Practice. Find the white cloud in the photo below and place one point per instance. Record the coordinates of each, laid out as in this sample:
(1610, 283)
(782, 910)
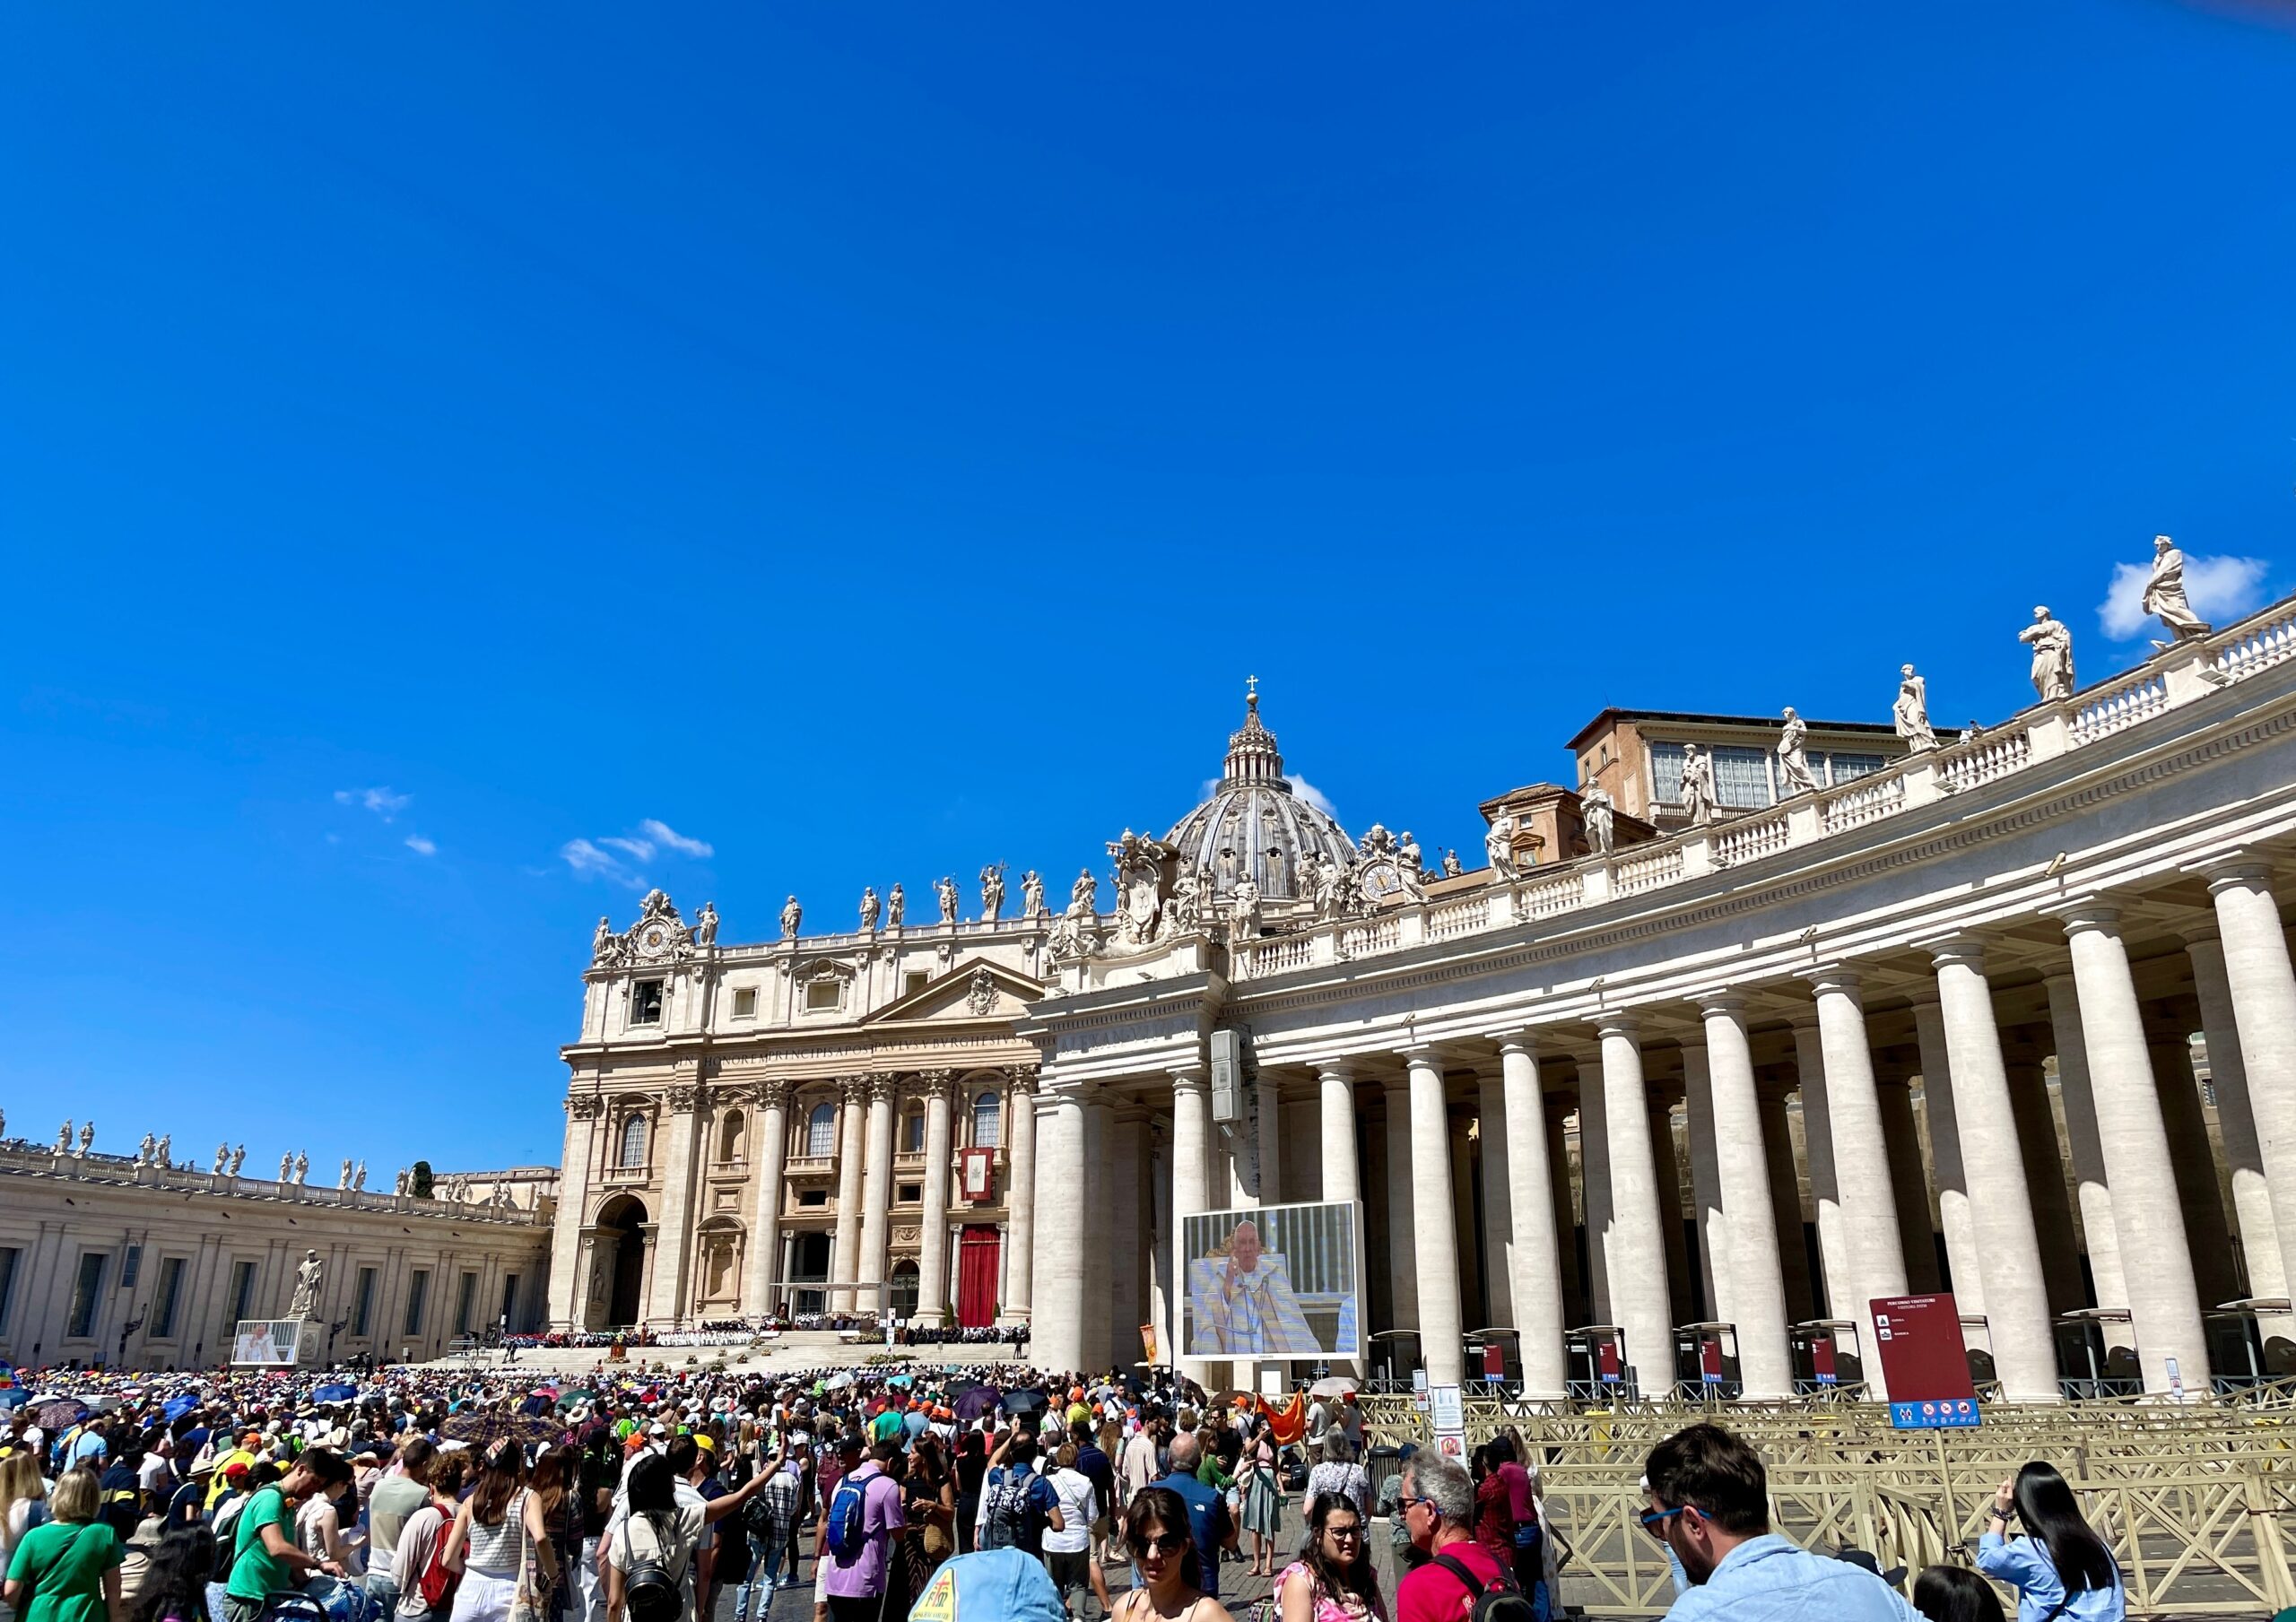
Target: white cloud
(1313, 795)
(2220, 589)
(674, 840)
(421, 846)
(588, 861)
(637, 850)
(384, 802)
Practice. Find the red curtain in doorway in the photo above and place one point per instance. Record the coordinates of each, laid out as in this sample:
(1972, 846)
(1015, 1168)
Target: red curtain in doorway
(978, 1250)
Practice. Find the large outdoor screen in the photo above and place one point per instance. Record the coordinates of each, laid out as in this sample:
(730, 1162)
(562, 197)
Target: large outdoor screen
(1274, 1281)
(266, 1342)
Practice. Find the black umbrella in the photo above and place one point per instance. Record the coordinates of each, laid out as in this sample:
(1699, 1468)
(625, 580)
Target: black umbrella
(1025, 1401)
(975, 1400)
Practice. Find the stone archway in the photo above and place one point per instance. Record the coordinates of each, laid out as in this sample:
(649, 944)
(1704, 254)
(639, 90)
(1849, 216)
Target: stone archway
(625, 1221)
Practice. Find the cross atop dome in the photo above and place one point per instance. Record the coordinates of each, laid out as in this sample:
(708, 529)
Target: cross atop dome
(1252, 756)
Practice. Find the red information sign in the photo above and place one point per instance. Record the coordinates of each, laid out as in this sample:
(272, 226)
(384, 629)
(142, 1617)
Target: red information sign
(1919, 1339)
(1606, 1360)
(976, 1175)
(1494, 1362)
(1822, 1358)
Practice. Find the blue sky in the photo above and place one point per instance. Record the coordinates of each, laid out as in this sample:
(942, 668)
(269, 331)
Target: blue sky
(821, 444)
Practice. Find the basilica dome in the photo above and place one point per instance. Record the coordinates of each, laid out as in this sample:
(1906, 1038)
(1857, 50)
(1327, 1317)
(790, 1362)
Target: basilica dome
(1254, 823)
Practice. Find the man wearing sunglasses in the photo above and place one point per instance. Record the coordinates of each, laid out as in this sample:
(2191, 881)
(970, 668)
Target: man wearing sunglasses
(1437, 1506)
(1709, 1504)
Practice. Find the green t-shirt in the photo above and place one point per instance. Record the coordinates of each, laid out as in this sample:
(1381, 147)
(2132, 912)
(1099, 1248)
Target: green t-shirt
(66, 1565)
(254, 1574)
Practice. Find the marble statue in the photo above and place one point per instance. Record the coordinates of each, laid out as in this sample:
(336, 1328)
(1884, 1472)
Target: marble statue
(2052, 654)
(602, 942)
(1084, 895)
(869, 908)
(1243, 910)
(896, 905)
(359, 1178)
(343, 1181)
(1332, 897)
(302, 1168)
(1452, 868)
(501, 1194)
(287, 1167)
(398, 1184)
(306, 1302)
(1910, 714)
(705, 924)
(239, 1159)
(147, 1151)
(992, 891)
(944, 890)
(1408, 853)
(223, 1159)
(1596, 811)
(792, 915)
(63, 1139)
(1186, 907)
(1306, 873)
(1793, 763)
(1032, 893)
(2164, 593)
(1698, 785)
(655, 907)
(167, 1151)
(87, 1137)
(1140, 861)
(1499, 845)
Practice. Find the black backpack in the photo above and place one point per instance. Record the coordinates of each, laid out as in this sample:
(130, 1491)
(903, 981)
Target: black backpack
(1011, 1512)
(650, 1592)
(1503, 1601)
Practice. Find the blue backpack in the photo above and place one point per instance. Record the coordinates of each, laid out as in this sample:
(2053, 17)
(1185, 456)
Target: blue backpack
(847, 1510)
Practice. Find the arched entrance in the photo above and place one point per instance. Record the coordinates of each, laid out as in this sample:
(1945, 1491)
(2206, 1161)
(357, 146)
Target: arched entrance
(624, 1218)
(904, 1289)
(809, 1264)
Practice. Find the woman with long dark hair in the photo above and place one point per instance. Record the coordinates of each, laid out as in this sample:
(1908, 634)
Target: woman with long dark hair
(1955, 1593)
(175, 1588)
(497, 1537)
(1332, 1580)
(2060, 1568)
(1172, 1571)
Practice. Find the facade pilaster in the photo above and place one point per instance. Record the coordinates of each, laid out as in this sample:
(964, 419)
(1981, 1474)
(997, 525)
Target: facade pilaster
(1056, 1318)
(1536, 1280)
(2016, 1294)
(2162, 1299)
(1021, 1196)
(1756, 1281)
(566, 1279)
(1126, 1150)
(852, 1153)
(877, 1192)
(1191, 1189)
(1637, 1250)
(1442, 1333)
(933, 1232)
(681, 1119)
(1268, 1186)
(758, 1294)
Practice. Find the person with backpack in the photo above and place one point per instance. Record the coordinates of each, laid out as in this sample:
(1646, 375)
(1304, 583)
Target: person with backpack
(1017, 1503)
(864, 1515)
(651, 1544)
(68, 1569)
(264, 1559)
(1460, 1576)
(1710, 1505)
(426, 1586)
(2060, 1568)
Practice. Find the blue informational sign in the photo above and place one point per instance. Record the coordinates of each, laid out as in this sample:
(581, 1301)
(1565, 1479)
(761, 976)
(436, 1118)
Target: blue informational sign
(1944, 1413)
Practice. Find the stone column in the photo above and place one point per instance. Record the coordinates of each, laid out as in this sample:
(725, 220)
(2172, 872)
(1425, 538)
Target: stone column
(1784, 1181)
(667, 1299)
(1595, 1189)
(1559, 1105)
(2090, 1189)
(1749, 1213)
(1909, 1180)
(1498, 1224)
(1092, 1231)
(1191, 1189)
(933, 1233)
(1442, 1333)
(1705, 1181)
(1403, 1248)
(2016, 1294)
(567, 1276)
(2192, 1158)
(877, 1191)
(1875, 1250)
(759, 1295)
(2235, 1119)
(1129, 1226)
(1270, 1181)
(1954, 1220)
(1335, 1118)
(1817, 1140)
(2162, 1295)
(1637, 1250)
(2264, 1002)
(852, 1149)
(1667, 1168)
(1021, 1192)
(1057, 1321)
(1536, 1280)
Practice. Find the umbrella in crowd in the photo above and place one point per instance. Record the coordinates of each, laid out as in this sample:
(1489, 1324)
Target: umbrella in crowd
(59, 1414)
(1332, 1385)
(975, 1400)
(574, 1399)
(335, 1393)
(14, 1396)
(176, 1408)
(1025, 1401)
(482, 1427)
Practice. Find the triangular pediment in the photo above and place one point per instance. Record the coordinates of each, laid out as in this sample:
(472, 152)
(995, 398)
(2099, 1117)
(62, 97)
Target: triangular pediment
(974, 989)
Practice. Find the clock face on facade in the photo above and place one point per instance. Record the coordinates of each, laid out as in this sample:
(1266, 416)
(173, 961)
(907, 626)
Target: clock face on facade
(1379, 878)
(653, 940)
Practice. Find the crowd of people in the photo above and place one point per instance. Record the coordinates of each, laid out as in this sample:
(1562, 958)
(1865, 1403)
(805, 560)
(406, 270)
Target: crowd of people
(947, 1493)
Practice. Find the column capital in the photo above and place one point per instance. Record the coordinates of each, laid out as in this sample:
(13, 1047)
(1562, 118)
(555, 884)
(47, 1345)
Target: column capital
(932, 1084)
(584, 1106)
(773, 1094)
(2238, 870)
(1334, 1069)
(1521, 1040)
(1190, 1074)
(682, 1098)
(882, 1086)
(1023, 1078)
(2201, 934)
(2085, 915)
(1958, 947)
(1839, 978)
(1724, 1001)
(1618, 1022)
(850, 1089)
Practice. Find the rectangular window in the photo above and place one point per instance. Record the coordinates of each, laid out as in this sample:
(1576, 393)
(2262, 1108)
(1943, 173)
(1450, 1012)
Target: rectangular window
(1832, 767)
(417, 1287)
(814, 1196)
(745, 1002)
(915, 980)
(1740, 775)
(134, 1268)
(465, 1303)
(822, 993)
(909, 1194)
(85, 1293)
(362, 1315)
(645, 1003)
(509, 1299)
(242, 1292)
(912, 1133)
(163, 1306)
(8, 1256)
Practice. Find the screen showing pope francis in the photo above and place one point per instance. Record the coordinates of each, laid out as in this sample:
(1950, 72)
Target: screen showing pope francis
(1274, 1281)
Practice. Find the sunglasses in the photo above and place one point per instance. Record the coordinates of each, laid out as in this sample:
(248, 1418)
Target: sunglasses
(1355, 1531)
(1655, 1523)
(1163, 1543)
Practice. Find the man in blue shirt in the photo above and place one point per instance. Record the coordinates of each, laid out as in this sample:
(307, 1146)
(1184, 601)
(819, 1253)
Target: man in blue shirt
(1710, 1505)
(1208, 1521)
